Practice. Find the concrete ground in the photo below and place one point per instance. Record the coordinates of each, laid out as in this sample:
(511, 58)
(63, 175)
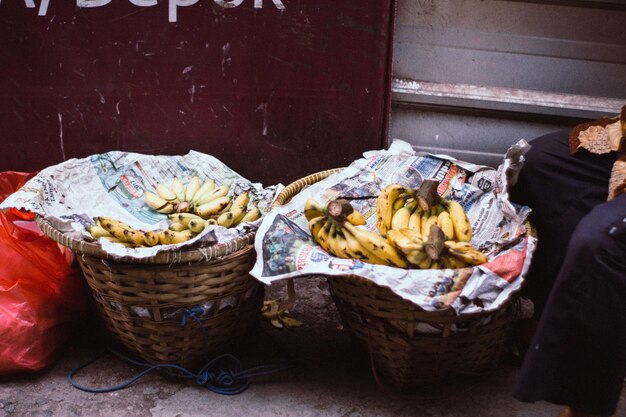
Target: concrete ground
(329, 378)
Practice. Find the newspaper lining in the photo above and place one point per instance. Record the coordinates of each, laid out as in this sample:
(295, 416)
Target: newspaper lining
(72, 193)
(285, 248)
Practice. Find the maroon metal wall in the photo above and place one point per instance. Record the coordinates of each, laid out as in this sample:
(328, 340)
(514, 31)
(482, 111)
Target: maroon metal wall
(275, 89)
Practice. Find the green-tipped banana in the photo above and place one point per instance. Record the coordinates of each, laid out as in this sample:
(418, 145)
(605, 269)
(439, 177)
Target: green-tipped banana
(313, 209)
(315, 225)
(97, 231)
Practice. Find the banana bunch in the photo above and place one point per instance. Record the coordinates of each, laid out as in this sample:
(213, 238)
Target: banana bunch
(434, 252)
(119, 232)
(398, 207)
(334, 228)
(207, 200)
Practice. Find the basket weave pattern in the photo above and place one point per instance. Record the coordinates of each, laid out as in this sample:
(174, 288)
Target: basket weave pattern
(146, 304)
(409, 347)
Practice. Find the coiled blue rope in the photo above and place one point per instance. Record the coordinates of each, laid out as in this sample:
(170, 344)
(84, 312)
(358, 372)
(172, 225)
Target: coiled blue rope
(222, 375)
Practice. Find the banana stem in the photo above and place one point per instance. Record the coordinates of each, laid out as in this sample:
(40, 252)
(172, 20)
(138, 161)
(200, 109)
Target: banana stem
(434, 246)
(427, 195)
(339, 209)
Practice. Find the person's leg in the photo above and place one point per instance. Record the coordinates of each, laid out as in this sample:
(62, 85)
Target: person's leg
(578, 354)
(560, 189)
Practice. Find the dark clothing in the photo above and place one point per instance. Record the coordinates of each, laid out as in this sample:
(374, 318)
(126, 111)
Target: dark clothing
(578, 354)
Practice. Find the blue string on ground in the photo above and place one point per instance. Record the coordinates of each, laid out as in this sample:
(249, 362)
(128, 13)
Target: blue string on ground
(222, 375)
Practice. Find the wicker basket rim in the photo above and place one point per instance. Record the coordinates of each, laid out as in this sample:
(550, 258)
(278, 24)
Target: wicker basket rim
(189, 255)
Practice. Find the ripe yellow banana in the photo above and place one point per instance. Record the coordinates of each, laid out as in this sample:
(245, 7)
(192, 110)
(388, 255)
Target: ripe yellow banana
(401, 218)
(154, 201)
(219, 192)
(178, 227)
(444, 221)
(165, 192)
(184, 218)
(356, 218)
(423, 219)
(225, 219)
(432, 220)
(115, 227)
(251, 215)
(206, 188)
(384, 206)
(404, 243)
(178, 237)
(212, 207)
(460, 221)
(151, 238)
(166, 209)
(377, 245)
(197, 225)
(400, 202)
(192, 187)
(238, 213)
(466, 252)
(333, 241)
(178, 188)
(415, 221)
(134, 236)
(315, 225)
(242, 200)
(358, 251)
(323, 233)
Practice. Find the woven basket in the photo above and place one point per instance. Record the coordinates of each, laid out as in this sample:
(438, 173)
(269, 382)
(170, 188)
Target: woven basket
(385, 326)
(176, 307)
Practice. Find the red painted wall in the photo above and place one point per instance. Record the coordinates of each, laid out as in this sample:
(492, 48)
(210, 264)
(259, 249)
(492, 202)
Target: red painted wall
(277, 89)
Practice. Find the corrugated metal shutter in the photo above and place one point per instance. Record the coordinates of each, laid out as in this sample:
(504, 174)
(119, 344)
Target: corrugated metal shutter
(472, 77)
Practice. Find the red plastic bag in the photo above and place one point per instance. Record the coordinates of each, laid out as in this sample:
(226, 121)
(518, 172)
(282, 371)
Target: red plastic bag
(42, 296)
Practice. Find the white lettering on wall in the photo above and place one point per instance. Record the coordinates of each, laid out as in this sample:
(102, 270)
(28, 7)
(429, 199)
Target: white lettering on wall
(173, 5)
(227, 4)
(92, 3)
(144, 3)
(258, 4)
(43, 7)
